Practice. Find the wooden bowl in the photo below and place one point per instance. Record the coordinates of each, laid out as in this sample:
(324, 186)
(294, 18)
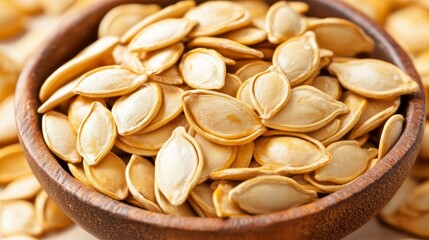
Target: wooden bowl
(331, 217)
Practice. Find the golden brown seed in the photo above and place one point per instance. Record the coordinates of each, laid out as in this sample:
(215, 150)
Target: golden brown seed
(79, 109)
(170, 76)
(18, 217)
(60, 137)
(22, 188)
(221, 118)
(246, 36)
(158, 61)
(392, 130)
(277, 15)
(201, 198)
(328, 85)
(223, 206)
(49, 215)
(226, 47)
(108, 176)
(298, 57)
(251, 69)
(304, 111)
(232, 84)
(268, 194)
(8, 130)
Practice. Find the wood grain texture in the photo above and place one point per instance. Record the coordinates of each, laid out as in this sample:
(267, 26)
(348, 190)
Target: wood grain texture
(331, 217)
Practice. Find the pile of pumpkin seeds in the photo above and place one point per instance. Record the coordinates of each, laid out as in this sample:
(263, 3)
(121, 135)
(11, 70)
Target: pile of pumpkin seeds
(26, 212)
(408, 22)
(221, 110)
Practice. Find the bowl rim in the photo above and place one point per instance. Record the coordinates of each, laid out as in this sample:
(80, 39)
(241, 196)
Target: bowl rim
(32, 140)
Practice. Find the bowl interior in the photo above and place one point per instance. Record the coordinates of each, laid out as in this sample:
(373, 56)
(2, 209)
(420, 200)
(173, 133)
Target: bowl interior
(333, 216)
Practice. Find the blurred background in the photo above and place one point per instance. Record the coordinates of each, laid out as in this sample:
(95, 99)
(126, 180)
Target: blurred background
(25, 25)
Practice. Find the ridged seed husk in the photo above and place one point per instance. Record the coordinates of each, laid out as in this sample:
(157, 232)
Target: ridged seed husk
(96, 135)
(109, 81)
(86, 60)
(373, 78)
(251, 69)
(345, 167)
(178, 166)
(173, 30)
(201, 197)
(221, 118)
(268, 194)
(60, 137)
(232, 84)
(224, 207)
(391, 132)
(170, 76)
(79, 108)
(133, 112)
(328, 85)
(304, 112)
(298, 57)
(293, 153)
(270, 92)
(78, 172)
(226, 47)
(244, 94)
(140, 177)
(246, 35)
(375, 113)
(203, 68)
(158, 61)
(277, 15)
(327, 131)
(60, 96)
(216, 17)
(183, 209)
(108, 176)
(349, 38)
(121, 18)
(244, 155)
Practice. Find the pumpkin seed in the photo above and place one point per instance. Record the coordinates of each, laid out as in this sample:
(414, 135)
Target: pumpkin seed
(375, 113)
(373, 78)
(63, 94)
(232, 84)
(171, 107)
(293, 153)
(328, 85)
(48, 214)
(242, 174)
(78, 172)
(251, 69)
(140, 177)
(324, 187)
(345, 167)
(108, 176)
(173, 11)
(257, 11)
(13, 164)
(96, 135)
(224, 207)
(304, 111)
(121, 18)
(392, 130)
(327, 131)
(246, 35)
(216, 157)
(279, 32)
(356, 105)
(11, 20)
(298, 57)
(130, 117)
(60, 137)
(221, 118)
(226, 47)
(183, 209)
(202, 198)
(173, 30)
(109, 81)
(79, 109)
(158, 61)
(244, 155)
(153, 141)
(133, 150)
(178, 166)
(270, 92)
(170, 76)
(22, 188)
(87, 59)
(268, 194)
(349, 38)
(203, 69)
(18, 217)
(216, 17)
(244, 94)
(8, 130)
